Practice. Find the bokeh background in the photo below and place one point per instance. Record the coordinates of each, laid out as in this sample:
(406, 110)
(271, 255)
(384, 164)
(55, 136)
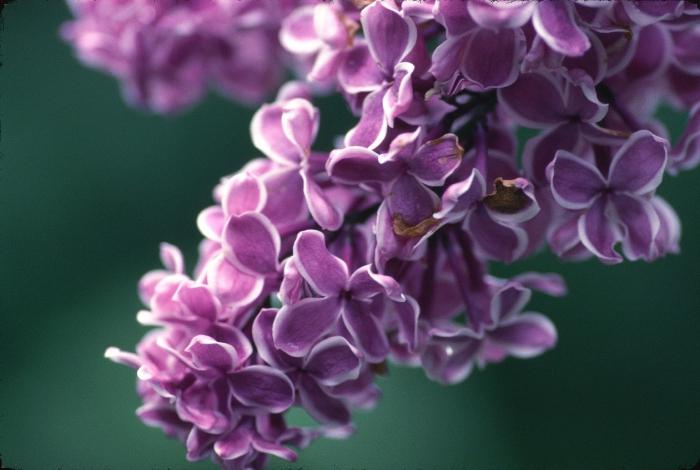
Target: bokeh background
(89, 187)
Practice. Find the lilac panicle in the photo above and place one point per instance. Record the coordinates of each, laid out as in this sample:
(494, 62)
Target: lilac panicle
(318, 267)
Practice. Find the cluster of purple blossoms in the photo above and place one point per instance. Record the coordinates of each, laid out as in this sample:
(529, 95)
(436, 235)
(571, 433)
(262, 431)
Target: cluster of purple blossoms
(318, 267)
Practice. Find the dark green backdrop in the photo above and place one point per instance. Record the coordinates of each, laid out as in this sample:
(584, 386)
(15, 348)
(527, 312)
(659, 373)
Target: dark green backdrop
(89, 187)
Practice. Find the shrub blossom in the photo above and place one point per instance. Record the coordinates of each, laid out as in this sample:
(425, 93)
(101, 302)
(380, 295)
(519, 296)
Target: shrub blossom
(319, 266)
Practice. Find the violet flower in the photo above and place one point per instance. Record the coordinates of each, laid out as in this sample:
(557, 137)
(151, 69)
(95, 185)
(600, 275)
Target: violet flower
(320, 268)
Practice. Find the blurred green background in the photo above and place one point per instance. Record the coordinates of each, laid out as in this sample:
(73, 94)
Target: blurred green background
(89, 187)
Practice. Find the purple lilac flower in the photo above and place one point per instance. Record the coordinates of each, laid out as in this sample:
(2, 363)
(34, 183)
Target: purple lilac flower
(320, 267)
(167, 52)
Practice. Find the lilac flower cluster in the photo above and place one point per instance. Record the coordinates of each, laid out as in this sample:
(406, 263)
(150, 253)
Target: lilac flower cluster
(166, 52)
(318, 267)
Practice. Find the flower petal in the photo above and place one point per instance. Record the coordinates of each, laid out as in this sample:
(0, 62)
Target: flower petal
(297, 327)
(435, 160)
(333, 361)
(242, 193)
(252, 243)
(534, 100)
(575, 182)
(365, 284)
(555, 23)
(320, 405)
(327, 274)
(527, 335)
(300, 121)
(640, 225)
(322, 209)
(492, 57)
(199, 300)
(355, 165)
(366, 331)
(358, 73)
(597, 233)
(231, 285)
(235, 444)
(496, 241)
(372, 127)
(639, 165)
(262, 386)
(264, 343)
(269, 136)
(207, 353)
(399, 94)
(509, 301)
(390, 35)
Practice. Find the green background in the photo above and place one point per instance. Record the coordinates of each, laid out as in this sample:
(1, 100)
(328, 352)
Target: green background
(89, 187)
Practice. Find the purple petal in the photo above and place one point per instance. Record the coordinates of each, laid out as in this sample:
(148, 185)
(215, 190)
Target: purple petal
(411, 201)
(686, 153)
(285, 202)
(509, 301)
(366, 330)
(372, 127)
(365, 284)
(297, 327)
(232, 286)
(298, 34)
(539, 151)
(399, 95)
(460, 197)
(242, 193)
(207, 353)
(327, 274)
(199, 300)
(389, 34)
(300, 122)
(359, 73)
(640, 225)
(644, 12)
(492, 58)
(271, 448)
(548, 283)
(668, 238)
(124, 358)
(252, 243)
(653, 54)
(210, 222)
(575, 182)
(356, 165)
(435, 160)
(322, 209)
(235, 444)
(264, 343)
(263, 386)
(199, 443)
(333, 361)
(454, 17)
(639, 165)
(525, 336)
(172, 259)
(321, 406)
(269, 136)
(407, 314)
(495, 15)
(555, 23)
(534, 100)
(564, 240)
(448, 57)
(495, 240)
(597, 233)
